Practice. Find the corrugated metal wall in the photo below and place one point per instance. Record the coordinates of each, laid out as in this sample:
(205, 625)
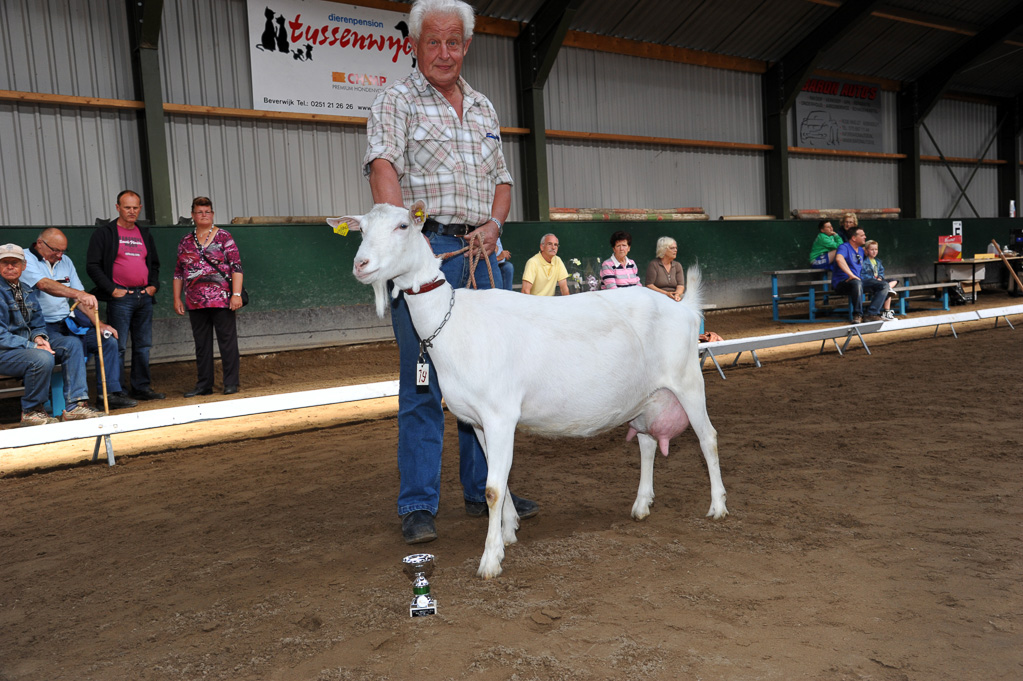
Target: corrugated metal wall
(825, 182)
(820, 182)
(65, 47)
(61, 165)
(961, 129)
(204, 46)
(939, 192)
(276, 167)
(65, 164)
(605, 93)
(609, 93)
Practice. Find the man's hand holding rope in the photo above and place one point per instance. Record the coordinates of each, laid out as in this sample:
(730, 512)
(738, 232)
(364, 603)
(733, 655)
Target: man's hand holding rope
(488, 233)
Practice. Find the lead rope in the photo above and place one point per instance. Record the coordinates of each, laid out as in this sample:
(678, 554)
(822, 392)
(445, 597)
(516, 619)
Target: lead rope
(475, 248)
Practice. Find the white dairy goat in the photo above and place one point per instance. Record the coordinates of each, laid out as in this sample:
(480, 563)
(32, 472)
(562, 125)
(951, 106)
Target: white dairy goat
(565, 366)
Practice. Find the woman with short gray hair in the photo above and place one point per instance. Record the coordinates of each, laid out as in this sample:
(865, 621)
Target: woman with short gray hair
(664, 273)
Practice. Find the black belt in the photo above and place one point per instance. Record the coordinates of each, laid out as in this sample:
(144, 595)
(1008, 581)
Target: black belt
(447, 230)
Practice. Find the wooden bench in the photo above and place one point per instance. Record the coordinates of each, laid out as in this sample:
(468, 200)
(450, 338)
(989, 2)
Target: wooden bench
(813, 291)
(11, 386)
(939, 290)
(809, 294)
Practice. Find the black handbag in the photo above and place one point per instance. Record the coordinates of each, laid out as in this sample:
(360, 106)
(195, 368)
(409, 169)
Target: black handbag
(202, 254)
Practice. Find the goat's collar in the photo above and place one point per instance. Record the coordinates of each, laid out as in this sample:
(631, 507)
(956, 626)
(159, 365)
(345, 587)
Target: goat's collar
(436, 283)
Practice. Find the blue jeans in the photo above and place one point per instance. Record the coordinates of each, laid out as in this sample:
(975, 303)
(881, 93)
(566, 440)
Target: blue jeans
(133, 314)
(855, 288)
(34, 367)
(507, 270)
(420, 414)
(111, 355)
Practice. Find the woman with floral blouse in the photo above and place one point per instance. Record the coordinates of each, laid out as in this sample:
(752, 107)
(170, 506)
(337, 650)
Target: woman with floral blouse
(209, 270)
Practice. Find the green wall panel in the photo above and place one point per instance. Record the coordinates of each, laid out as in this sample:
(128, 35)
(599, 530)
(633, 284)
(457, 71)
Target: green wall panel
(290, 267)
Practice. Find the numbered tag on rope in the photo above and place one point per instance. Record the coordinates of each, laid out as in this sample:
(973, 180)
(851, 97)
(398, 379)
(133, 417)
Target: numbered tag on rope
(422, 373)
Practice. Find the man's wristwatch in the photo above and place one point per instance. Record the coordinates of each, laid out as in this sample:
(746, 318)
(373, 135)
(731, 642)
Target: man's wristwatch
(500, 227)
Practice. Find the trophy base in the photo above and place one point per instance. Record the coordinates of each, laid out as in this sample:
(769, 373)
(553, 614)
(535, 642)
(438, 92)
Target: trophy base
(422, 606)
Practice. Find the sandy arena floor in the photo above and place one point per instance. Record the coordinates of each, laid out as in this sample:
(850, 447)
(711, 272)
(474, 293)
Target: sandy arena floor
(874, 534)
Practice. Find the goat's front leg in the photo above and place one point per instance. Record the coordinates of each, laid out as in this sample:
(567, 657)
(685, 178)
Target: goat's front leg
(503, 518)
(645, 496)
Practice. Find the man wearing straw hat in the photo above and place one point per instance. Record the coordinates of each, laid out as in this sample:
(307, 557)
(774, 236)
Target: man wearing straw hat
(27, 352)
(49, 269)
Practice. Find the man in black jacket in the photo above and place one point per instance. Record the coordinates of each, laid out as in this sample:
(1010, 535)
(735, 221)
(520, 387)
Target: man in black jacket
(122, 260)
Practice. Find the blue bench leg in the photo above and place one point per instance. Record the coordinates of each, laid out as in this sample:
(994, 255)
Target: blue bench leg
(774, 296)
(56, 402)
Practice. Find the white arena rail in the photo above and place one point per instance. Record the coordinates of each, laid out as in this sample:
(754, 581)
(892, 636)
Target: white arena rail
(751, 345)
(102, 428)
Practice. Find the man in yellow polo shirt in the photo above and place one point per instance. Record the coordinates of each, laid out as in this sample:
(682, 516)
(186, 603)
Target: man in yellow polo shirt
(545, 269)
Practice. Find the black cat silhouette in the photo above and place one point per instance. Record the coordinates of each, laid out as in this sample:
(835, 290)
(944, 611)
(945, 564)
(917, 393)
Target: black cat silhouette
(308, 52)
(403, 27)
(282, 36)
(266, 40)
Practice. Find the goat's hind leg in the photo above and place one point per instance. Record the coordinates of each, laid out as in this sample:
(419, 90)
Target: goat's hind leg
(645, 495)
(694, 401)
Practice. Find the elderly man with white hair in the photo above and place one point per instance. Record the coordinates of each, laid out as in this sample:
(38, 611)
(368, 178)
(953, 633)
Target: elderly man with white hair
(432, 137)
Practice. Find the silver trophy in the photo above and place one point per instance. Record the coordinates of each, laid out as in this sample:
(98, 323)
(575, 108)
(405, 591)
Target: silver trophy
(418, 567)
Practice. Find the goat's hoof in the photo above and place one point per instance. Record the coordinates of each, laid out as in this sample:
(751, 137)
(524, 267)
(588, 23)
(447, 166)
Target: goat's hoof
(641, 509)
(717, 512)
(489, 571)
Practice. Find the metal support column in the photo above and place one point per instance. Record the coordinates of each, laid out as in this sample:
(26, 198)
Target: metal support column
(776, 133)
(536, 48)
(908, 143)
(144, 17)
(781, 84)
(1008, 151)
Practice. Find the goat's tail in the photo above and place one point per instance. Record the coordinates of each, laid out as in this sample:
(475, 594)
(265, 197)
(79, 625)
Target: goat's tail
(694, 290)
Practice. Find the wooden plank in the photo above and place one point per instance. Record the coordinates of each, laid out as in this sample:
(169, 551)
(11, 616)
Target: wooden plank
(68, 100)
(659, 141)
(968, 161)
(682, 55)
(845, 153)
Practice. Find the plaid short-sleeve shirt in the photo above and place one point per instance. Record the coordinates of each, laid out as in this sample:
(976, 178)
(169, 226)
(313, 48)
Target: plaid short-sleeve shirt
(452, 165)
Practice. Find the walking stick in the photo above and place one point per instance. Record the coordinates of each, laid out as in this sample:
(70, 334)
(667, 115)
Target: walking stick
(1019, 286)
(102, 366)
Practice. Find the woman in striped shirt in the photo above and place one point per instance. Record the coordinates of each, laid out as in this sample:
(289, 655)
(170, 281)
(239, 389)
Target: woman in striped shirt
(619, 271)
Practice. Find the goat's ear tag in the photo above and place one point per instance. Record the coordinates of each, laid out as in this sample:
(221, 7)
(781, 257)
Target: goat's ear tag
(343, 225)
(422, 373)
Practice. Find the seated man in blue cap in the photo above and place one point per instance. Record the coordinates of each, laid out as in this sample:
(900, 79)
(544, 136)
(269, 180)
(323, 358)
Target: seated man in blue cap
(50, 270)
(27, 352)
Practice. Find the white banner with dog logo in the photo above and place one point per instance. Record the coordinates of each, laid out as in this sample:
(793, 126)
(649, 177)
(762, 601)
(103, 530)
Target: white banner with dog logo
(313, 56)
